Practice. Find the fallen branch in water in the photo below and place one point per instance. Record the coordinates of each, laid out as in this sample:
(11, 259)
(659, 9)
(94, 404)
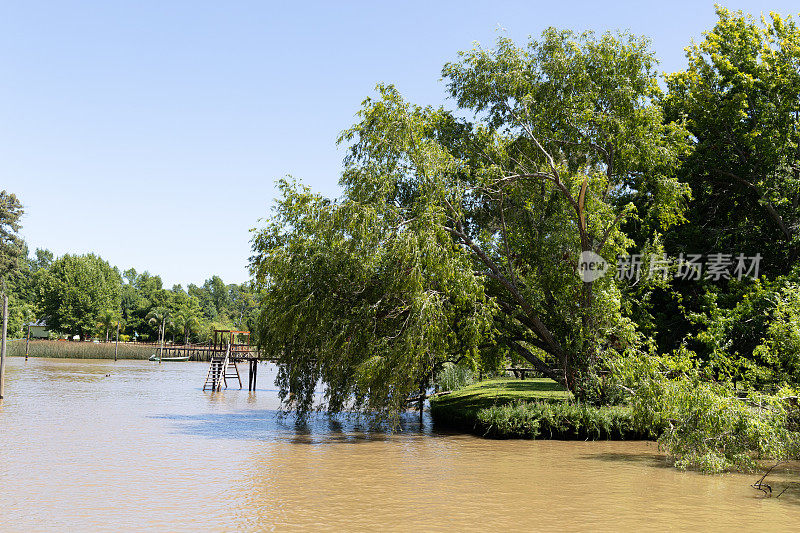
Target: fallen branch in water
(763, 487)
(786, 487)
(767, 489)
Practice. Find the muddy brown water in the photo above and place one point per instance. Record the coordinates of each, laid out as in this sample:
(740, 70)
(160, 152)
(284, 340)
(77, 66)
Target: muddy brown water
(104, 446)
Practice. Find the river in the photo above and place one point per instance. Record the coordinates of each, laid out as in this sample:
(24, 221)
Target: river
(104, 446)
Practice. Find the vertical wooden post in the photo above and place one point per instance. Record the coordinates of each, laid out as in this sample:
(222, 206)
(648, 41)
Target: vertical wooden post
(161, 349)
(28, 342)
(3, 346)
(116, 343)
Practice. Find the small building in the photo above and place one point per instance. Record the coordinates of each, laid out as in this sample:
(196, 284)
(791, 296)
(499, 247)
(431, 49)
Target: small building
(39, 330)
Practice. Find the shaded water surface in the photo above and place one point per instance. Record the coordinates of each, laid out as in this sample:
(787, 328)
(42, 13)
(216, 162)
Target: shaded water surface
(98, 445)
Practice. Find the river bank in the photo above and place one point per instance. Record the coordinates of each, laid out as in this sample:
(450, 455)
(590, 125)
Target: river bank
(80, 350)
(538, 408)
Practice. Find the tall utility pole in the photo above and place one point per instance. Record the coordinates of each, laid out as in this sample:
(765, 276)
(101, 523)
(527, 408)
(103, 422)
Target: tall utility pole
(116, 345)
(3, 346)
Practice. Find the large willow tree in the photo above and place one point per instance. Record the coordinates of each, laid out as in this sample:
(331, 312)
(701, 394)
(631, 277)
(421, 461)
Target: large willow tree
(460, 239)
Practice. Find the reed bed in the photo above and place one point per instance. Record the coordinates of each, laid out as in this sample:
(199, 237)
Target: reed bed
(80, 350)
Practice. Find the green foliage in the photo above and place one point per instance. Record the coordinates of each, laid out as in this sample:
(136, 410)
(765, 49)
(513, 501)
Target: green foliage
(452, 235)
(707, 427)
(455, 244)
(738, 99)
(193, 313)
(460, 408)
(84, 295)
(75, 290)
(563, 420)
(187, 316)
(107, 321)
(366, 302)
(780, 351)
(744, 334)
(11, 245)
(531, 408)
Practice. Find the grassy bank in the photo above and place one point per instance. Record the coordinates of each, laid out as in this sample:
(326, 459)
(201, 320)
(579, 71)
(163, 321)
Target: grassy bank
(79, 350)
(530, 409)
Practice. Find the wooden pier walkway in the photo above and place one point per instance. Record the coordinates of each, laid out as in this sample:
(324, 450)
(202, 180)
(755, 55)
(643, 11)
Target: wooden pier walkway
(223, 354)
(204, 352)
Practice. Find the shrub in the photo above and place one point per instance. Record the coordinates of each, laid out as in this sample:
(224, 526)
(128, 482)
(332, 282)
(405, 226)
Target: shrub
(707, 427)
(551, 420)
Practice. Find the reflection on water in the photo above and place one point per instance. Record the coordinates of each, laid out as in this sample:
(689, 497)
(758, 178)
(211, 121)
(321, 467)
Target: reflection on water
(98, 445)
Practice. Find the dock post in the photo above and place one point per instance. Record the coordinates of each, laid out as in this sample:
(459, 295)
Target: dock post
(3, 345)
(28, 342)
(252, 374)
(116, 344)
(251, 378)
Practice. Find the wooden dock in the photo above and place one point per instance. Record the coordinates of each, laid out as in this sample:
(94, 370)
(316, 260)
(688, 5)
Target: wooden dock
(228, 348)
(204, 352)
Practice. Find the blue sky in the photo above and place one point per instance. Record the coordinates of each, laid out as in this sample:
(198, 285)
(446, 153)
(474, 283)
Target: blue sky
(152, 133)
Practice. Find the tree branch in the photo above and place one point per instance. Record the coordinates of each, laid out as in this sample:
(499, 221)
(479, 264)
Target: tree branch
(776, 217)
(537, 363)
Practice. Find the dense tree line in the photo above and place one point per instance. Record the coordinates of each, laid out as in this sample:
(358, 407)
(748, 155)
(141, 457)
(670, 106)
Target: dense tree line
(469, 237)
(84, 296)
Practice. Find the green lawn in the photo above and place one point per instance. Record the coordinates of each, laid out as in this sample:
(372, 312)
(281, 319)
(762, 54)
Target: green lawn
(499, 391)
(531, 408)
(460, 408)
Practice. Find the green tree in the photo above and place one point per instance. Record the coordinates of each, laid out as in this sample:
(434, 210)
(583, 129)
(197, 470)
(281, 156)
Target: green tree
(205, 298)
(187, 317)
(134, 307)
(454, 235)
(160, 318)
(75, 290)
(44, 258)
(738, 99)
(243, 306)
(12, 246)
(219, 293)
(107, 320)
